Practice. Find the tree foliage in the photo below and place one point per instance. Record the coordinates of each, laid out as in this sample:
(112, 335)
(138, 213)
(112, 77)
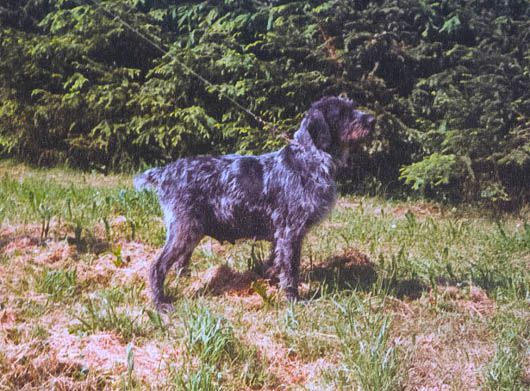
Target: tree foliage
(449, 81)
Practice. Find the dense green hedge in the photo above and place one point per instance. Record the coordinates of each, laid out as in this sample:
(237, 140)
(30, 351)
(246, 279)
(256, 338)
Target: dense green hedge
(448, 80)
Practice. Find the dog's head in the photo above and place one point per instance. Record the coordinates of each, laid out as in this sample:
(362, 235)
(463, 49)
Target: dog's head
(334, 125)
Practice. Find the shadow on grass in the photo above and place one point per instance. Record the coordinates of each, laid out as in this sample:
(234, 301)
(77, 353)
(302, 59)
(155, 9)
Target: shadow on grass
(222, 279)
(353, 270)
(89, 244)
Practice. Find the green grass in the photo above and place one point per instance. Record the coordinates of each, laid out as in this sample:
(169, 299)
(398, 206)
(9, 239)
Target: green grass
(80, 207)
(359, 327)
(210, 340)
(114, 309)
(58, 284)
(512, 343)
(208, 337)
(368, 356)
(214, 357)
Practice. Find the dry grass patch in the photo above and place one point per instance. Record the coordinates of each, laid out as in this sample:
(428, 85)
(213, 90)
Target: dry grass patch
(30, 367)
(448, 338)
(106, 353)
(261, 328)
(126, 263)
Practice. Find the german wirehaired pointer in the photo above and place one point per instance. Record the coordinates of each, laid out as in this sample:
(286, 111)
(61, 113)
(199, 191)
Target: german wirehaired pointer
(277, 197)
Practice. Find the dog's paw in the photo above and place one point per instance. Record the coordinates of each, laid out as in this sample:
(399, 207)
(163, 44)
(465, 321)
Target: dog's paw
(271, 273)
(164, 306)
(291, 294)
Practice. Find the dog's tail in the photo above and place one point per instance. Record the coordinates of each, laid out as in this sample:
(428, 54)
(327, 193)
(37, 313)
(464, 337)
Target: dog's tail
(147, 180)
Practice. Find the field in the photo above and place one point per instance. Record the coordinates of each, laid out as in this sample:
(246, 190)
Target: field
(397, 295)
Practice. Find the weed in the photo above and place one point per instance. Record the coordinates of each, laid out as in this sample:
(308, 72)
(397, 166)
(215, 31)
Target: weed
(208, 340)
(208, 336)
(214, 356)
(257, 260)
(260, 288)
(369, 359)
(39, 332)
(202, 378)
(308, 331)
(118, 258)
(250, 369)
(37, 200)
(58, 284)
(105, 313)
(76, 221)
(156, 320)
(130, 365)
(512, 334)
(32, 309)
(2, 214)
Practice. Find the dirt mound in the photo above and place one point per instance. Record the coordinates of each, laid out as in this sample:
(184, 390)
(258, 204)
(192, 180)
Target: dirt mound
(219, 280)
(55, 253)
(472, 299)
(350, 269)
(127, 266)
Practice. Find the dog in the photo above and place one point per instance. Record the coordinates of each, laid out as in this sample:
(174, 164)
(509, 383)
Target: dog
(276, 197)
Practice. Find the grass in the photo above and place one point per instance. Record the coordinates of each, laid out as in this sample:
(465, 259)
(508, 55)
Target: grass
(109, 310)
(58, 284)
(368, 357)
(209, 340)
(81, 206)
(506, 371)
(207, 336)
(397, 295)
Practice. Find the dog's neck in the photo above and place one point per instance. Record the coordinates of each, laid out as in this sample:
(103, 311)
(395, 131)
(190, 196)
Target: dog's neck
(325, 160)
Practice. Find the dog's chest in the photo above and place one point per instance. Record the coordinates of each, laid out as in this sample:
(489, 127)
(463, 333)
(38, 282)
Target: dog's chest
(319, 201)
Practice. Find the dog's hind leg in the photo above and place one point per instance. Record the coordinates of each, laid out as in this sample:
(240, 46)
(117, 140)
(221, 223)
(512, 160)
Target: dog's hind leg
(180, 243)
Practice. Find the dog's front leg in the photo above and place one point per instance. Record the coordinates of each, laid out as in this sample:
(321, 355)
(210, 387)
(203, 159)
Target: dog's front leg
(288, 249)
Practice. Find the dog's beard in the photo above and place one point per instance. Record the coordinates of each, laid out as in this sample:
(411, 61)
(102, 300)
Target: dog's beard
(355, 133)
(361, 135)
(351, 139)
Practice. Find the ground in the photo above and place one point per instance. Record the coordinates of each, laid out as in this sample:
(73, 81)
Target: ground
(396, 295)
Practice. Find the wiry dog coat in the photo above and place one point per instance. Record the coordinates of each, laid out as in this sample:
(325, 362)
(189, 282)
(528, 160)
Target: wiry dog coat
(276, 197)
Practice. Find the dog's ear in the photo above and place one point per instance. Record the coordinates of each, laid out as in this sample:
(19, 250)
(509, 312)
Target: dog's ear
(314, 129)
